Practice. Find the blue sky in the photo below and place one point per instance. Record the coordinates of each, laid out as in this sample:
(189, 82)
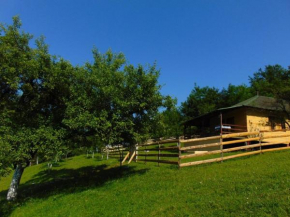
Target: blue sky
(207, 42)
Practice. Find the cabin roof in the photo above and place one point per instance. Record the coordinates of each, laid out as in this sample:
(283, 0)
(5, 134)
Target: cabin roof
(261, 102)
(258, 102)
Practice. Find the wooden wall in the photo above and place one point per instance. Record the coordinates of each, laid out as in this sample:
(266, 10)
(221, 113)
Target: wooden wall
(259, 120)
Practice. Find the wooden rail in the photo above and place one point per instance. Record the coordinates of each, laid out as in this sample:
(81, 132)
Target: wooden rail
(160, 161)
(132, 157)
(125, 158)
(160, 142)
(147, 152)
(161, 155)
(240, 138)
(164, 152)
(227, 136)
(227, 150)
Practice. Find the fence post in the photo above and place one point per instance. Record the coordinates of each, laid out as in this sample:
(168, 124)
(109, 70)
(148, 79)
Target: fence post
(179, 154)
(260, 141)
(136, 151)
(120, 155)
(158, 153)
(145, 154)
(221, 146)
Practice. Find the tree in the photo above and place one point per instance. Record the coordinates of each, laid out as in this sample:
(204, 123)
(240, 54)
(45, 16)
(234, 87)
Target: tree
(274, 81)
(235, 94)
(168, 121)
(47, 105)
(33, 85)
(201, 101)
(113, 101)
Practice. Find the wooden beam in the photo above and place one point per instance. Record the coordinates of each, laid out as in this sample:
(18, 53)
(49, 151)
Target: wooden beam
(275, 136)
(232, 156)
(241, 140)
(161, 161)
(227, 150)
(218, 159)
(199, 139)
(275, 149)
(240, 134)
(200, 162)
(160, 142)
(200, 146)
(218, 137)
(134, 153)
(161, 155)
(157, 149)
(125, 158)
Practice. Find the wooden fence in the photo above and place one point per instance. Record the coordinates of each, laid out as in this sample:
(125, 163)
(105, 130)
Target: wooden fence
(201, 150)
(228, 143)
(165, 151)
(118, 152)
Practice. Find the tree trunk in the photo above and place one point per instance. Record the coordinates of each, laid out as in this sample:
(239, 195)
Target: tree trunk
(13, 189)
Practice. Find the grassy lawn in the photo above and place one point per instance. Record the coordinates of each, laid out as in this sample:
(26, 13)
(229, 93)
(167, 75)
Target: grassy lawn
(250, 186)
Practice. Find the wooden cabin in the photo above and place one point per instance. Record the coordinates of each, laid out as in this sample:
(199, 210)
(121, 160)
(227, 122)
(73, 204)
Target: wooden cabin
(259, 113)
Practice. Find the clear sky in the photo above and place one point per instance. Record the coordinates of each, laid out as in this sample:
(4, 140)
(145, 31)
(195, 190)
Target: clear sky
(207, 42)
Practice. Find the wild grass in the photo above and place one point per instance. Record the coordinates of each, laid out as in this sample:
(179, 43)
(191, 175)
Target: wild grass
(250, 186)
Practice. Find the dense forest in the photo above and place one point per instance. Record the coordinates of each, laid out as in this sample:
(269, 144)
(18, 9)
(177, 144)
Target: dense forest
(49, 107)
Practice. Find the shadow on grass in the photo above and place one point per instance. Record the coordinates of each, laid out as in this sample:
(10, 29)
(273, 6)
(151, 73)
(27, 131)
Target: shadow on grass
(65, 181)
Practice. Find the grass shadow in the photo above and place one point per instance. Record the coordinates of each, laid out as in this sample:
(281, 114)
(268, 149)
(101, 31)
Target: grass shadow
(65, 181)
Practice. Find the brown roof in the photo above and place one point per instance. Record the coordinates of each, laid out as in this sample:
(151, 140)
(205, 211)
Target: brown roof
(262, 102)
(258, 102)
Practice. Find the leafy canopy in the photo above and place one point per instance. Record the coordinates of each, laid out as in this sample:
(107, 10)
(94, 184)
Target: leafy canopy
(49, 106)
(203, 100)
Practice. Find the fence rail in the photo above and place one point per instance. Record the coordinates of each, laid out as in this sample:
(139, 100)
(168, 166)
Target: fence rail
(160, 152)
(241, 140)
(195, 151)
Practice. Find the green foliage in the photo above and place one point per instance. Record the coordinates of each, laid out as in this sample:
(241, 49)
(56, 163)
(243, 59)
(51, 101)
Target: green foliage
(203, 100)
(48, 106)
(168, 123)
(113, 101)
(273, 81)
(200, 101)
(32, 88)
(235, 94)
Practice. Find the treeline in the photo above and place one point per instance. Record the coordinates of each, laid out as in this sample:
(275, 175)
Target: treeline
(273, 81)
(206, 99)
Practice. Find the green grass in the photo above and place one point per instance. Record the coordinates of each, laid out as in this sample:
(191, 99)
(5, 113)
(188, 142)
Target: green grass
(250, 186)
